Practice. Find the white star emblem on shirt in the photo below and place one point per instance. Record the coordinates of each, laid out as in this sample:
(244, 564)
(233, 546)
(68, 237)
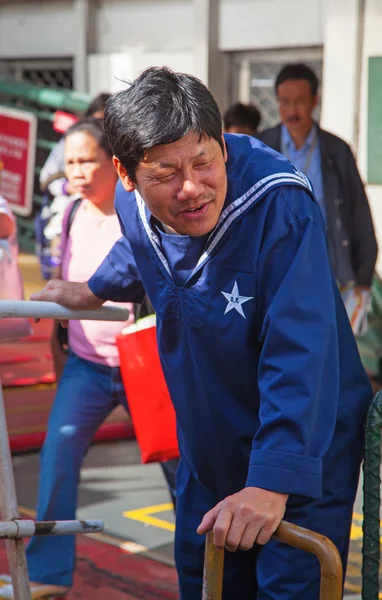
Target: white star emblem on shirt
(235, 301)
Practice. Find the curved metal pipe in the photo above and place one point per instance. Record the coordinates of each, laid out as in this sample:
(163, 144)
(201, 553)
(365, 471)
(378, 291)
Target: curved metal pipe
(293, 535)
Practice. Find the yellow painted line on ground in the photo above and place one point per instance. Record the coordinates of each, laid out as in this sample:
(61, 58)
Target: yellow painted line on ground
(351, 587)
(144, 515)
(356, 528)
(27, 512)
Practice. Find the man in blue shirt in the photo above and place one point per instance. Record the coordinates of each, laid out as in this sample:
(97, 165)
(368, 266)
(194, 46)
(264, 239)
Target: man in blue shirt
(307, 159)
(329, 164)
(227, 239)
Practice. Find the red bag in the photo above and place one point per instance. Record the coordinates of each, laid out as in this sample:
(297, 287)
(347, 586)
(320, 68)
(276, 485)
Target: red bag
(63, 120)
(148, 398)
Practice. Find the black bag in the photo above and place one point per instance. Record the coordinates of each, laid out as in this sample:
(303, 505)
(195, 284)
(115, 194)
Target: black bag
(62, 332)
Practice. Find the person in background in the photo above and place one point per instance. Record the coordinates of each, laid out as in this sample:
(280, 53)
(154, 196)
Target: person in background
(52, 173)
(329, 164)
(90, 385)
(242, 118)
(57, 194)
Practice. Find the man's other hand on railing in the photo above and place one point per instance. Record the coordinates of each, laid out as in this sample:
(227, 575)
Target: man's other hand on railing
(75, 296)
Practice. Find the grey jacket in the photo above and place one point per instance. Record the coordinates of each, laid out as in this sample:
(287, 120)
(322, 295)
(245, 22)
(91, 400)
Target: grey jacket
(351, 238)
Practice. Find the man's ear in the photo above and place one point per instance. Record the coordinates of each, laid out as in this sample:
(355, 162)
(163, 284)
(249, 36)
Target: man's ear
(225, 153)
(125, 178)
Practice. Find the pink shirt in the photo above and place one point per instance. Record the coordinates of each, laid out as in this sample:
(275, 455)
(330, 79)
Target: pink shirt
(91, 237)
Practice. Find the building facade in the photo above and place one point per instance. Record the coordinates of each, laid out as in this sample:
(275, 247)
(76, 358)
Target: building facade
(235, 46)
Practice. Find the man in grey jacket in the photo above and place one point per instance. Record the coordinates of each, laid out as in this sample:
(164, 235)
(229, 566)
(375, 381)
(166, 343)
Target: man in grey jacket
(330, 165)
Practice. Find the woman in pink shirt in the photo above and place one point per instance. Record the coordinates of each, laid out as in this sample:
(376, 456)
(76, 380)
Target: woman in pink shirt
(90, 386)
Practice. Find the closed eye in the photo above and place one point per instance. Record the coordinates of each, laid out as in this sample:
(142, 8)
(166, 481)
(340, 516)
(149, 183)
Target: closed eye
(205, 163)
(165, 178)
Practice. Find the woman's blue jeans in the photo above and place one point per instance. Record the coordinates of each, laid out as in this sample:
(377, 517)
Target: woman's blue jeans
(87, 392)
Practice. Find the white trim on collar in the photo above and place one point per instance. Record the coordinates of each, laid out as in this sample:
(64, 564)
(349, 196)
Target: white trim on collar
(151, 234)
(228, 216)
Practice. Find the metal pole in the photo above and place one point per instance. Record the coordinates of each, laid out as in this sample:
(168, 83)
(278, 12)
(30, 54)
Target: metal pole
(288, 533)
(26, 528)
(371, 551)
(9, 510)
(213, 570)
(35, 309)
(323, 548)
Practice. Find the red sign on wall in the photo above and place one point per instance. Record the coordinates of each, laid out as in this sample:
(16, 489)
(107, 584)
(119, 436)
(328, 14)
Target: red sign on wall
(17, 152)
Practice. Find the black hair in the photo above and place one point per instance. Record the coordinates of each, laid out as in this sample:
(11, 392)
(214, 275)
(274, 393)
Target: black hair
(159, 107)
(98, 103)
(93, 127)
(242, 115)
(298, 71)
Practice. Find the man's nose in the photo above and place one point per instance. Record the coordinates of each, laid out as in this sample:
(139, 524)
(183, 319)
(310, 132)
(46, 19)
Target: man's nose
(191, 188)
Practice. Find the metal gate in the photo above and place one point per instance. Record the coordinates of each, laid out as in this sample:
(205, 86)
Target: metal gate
(253, 75)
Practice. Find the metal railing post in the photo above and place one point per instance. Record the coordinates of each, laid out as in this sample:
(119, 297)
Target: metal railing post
(371, 551)
(9, 511)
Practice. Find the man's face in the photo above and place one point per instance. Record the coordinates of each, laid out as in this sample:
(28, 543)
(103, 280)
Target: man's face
(183, 184)
(296, 104)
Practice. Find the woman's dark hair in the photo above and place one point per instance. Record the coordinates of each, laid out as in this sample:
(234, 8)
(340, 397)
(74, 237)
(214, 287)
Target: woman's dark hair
(298, 71)
(98, 103)
(242, 115)
(159, 107)
(93, 127)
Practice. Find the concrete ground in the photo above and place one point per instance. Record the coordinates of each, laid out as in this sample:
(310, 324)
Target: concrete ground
(134, 503)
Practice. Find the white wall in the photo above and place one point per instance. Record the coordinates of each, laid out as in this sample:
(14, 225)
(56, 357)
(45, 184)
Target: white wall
(244, 24)
(110, 72)
(340, 50)
(151, 25)
(45, 28)
(372, 47)
(258, 24)
(35, 30)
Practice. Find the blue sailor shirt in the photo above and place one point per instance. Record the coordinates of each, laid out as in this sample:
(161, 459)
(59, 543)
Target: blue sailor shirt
(255, 344)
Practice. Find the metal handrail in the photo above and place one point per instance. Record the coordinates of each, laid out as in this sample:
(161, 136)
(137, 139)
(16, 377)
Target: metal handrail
(26, 528)
(293, 535)
(12, 529)
(34, 309)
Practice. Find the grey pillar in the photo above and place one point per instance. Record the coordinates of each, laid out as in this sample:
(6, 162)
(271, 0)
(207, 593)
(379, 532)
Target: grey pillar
(208, 59)
(82, 14)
